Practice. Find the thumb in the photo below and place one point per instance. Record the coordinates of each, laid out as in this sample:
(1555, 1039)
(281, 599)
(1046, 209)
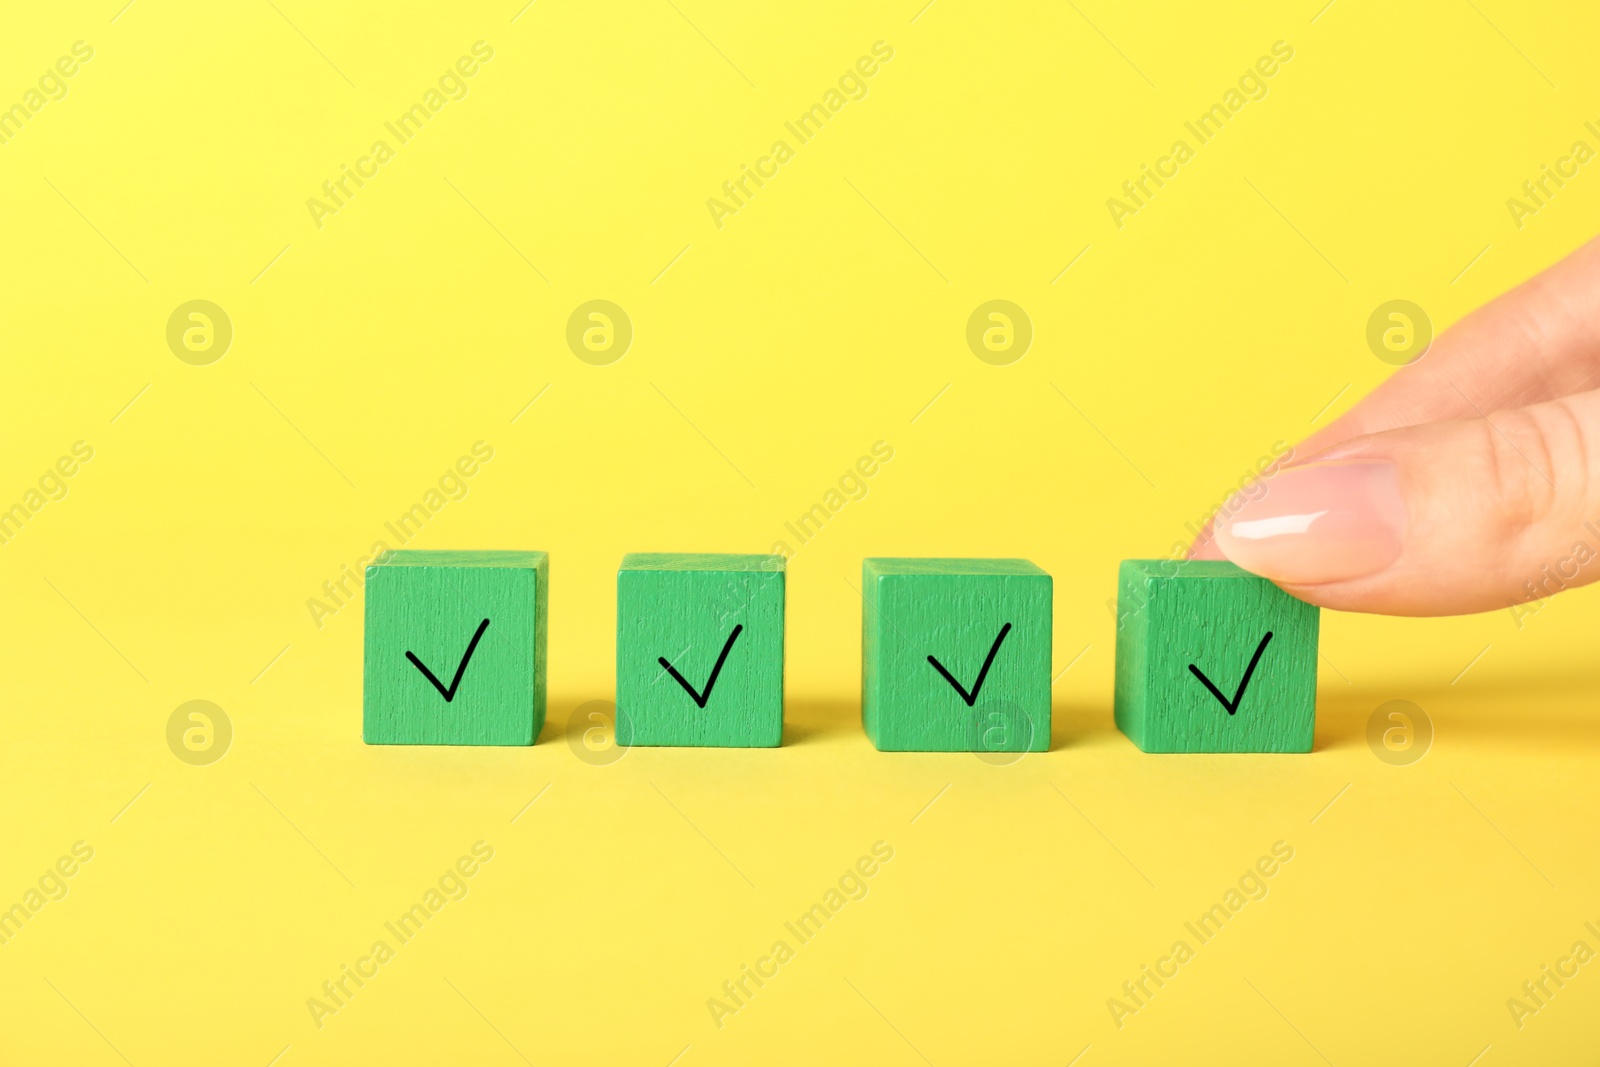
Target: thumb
(1444, 518)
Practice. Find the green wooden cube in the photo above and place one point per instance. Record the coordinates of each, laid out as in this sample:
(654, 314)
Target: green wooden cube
(1211, 658)
(700, 650)
(455, 648)
(955, 655)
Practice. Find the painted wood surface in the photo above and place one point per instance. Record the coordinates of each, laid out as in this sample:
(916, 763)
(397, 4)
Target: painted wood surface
(455, 648)
(1211, 658)
(956, 655)
(700, 650)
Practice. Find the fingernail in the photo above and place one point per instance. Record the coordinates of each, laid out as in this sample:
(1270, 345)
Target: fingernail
(1316, 524)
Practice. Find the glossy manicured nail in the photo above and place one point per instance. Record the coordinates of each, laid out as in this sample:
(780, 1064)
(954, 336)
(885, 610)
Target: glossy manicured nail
(1316, 524)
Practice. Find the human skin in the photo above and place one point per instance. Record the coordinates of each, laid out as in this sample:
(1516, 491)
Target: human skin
(1463, 483)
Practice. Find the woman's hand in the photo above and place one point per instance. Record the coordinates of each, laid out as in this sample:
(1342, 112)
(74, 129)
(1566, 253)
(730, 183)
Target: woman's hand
(1470, 480)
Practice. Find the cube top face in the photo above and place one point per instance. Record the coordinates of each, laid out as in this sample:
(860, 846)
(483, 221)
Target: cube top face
(1182, 568)
(455, 648)
(956, 655)
(949, 567)
(699, 561)
(1211, 658)
(450, 557)
(700, 650)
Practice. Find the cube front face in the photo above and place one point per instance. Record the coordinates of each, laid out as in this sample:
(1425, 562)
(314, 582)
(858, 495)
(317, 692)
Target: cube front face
(488, 681)
(1184, 624)
(963, 614)
(717, 621)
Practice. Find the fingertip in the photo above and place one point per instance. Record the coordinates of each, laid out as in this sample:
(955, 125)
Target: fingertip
(1205, 545)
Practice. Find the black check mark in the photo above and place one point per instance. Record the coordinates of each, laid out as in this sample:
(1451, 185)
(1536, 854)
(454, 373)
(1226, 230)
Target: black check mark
(983, 672)
(450, 694)
(701, 698)
(1238, 694)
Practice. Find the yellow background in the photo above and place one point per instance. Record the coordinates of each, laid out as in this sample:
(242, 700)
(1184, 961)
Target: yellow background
(768, 356)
